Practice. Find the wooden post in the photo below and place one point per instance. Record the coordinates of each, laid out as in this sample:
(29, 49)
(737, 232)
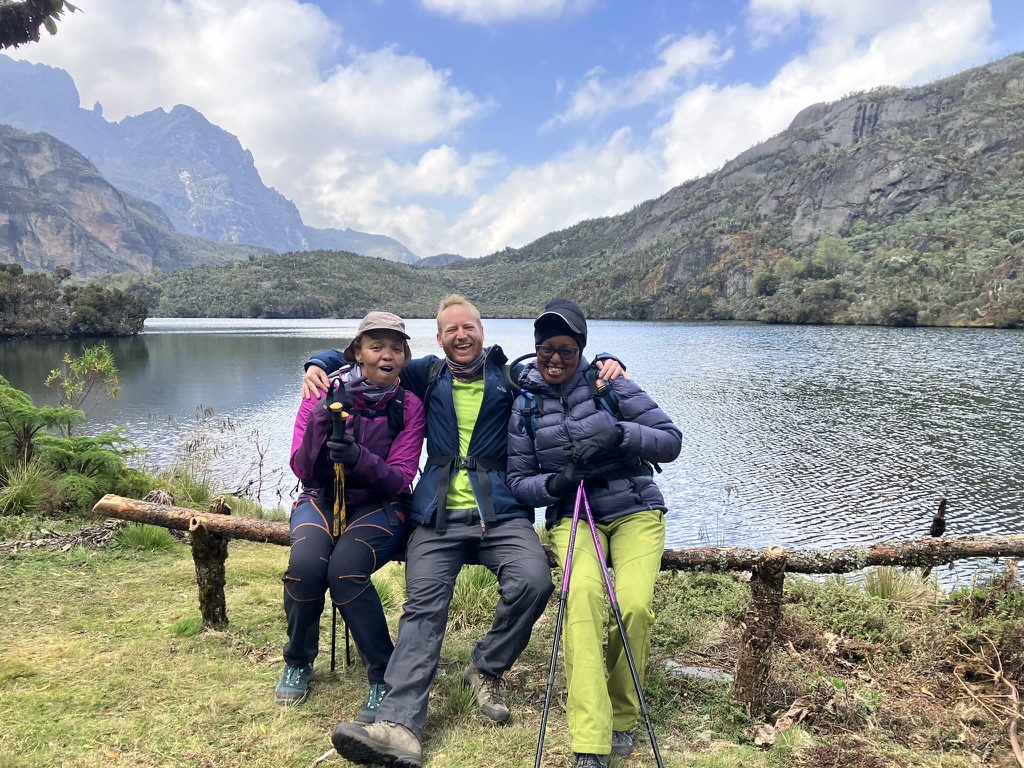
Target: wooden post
(758, 626)
(209, 551)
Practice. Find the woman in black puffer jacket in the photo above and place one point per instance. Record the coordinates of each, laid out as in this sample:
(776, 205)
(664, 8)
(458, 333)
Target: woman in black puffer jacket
(569, 434)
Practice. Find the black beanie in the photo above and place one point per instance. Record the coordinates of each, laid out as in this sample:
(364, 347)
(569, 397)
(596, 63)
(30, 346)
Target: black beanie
(561, 317)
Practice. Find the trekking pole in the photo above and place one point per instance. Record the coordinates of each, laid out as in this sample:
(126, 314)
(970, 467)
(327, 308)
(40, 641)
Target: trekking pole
(622, 628)
(563, 596)
(338, 417)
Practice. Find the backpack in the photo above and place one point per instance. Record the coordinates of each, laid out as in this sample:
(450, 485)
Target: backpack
(433, 374)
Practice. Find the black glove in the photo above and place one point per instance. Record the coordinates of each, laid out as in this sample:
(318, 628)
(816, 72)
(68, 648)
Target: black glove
(568, 479)
(345, 450)
(585, 450)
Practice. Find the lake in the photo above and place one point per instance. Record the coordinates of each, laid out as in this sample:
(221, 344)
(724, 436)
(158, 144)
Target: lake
(805, 436)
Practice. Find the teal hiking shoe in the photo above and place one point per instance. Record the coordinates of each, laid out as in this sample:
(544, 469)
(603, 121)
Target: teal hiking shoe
(294, 684)
(368, 714)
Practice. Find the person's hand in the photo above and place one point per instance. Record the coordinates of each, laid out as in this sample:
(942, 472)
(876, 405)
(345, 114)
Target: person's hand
(603, 442)
(568, 479)
(609, 369)
(315, 383)
(345, 450)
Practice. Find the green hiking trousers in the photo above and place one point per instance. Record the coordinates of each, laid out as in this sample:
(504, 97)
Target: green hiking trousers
(601, 695)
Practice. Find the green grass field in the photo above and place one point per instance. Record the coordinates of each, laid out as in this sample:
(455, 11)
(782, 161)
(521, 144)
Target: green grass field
(104, 662)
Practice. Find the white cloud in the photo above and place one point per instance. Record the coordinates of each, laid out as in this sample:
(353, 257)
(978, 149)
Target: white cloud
(586, 182)
(408, 201)
(498, 11)
(677, 56)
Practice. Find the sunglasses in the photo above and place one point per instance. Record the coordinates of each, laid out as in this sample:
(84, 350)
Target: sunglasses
(565, 353)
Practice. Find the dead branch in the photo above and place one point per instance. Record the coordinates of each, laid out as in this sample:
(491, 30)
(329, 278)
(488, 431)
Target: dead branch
(183, 519)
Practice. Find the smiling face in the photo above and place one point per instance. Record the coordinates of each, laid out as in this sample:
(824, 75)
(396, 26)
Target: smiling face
(460, 333)
(552, 367)
(381, 356)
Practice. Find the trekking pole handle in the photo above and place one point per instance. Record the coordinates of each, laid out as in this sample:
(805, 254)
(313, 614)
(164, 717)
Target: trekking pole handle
(338, 417)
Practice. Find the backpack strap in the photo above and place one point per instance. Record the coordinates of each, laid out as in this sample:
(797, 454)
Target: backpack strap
(396, 413)
(452, 464)
(433, 374)
(603, 395)
(529, 408)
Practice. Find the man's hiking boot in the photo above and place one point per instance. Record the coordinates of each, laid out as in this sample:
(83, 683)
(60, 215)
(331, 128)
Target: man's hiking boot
(381, 743)
(590, 761)
(368, 713)
(488, 696)
(294, 684)
(622, 743)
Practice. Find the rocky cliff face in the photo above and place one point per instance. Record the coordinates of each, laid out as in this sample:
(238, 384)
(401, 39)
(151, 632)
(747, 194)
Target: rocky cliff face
(202, 178)
(870, 157)
(57, 209)
(196, 172)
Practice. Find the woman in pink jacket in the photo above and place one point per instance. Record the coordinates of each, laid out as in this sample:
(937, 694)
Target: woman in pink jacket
(336, 547)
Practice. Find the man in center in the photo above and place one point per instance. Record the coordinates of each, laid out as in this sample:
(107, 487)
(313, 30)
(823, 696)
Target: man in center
(463, 514)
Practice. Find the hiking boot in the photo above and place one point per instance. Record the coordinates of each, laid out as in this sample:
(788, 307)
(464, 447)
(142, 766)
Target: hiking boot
(488, 697)
(294, 684)
(590, 761)
(381, 743)
(368, 713)
(622, 743)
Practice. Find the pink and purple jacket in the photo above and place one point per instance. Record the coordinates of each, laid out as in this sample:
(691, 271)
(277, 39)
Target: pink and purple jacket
(385, 468)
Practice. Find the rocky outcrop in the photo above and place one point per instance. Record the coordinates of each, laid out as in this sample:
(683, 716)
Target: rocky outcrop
(202, 178)
(871, 156)
(57, 209)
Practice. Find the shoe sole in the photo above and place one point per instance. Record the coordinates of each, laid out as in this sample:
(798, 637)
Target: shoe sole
(358, 748)
(291, 702)
(365, 719)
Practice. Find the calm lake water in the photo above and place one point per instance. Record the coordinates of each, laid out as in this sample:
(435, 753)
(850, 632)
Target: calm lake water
(802, 436)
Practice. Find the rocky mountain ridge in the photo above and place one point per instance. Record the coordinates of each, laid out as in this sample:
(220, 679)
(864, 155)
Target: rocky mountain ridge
(897, 206)
(902, 170)
(196, 172)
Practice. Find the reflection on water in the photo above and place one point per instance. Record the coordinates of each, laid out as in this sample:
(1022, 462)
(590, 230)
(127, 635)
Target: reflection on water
(802, 436)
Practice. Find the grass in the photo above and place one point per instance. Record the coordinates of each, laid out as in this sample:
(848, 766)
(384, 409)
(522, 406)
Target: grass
(26, 490)
(105, 662)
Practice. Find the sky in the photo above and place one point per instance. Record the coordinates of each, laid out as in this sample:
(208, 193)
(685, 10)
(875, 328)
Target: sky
(467, 126)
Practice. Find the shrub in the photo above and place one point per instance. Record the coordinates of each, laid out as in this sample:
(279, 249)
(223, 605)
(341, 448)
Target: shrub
(30, 489)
